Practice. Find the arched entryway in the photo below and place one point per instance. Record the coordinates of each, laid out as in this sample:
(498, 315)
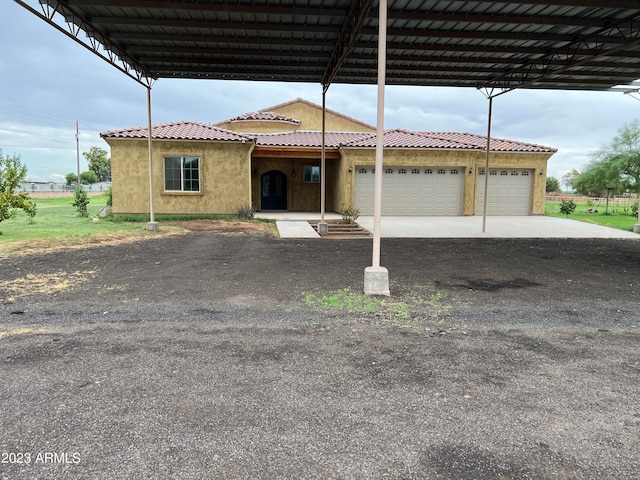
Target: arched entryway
(273, 190)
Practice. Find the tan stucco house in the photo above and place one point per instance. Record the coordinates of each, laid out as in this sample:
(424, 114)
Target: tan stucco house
(270, 160)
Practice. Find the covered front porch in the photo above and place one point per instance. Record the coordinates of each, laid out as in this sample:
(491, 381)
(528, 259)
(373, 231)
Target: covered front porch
(284, 183)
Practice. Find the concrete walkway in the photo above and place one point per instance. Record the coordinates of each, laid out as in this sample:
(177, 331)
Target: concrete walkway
(294, 225)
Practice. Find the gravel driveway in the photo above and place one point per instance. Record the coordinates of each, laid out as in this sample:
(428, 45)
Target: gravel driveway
(235, 354)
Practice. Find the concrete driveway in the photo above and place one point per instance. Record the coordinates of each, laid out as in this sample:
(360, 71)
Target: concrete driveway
(294, 225)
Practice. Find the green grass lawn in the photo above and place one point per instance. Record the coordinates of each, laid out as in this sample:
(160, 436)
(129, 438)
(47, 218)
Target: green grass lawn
(57, 217)
(619, 215)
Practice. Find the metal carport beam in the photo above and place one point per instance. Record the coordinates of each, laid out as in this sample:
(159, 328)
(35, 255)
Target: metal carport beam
(348, 36)
(604, 42)
(95, 43)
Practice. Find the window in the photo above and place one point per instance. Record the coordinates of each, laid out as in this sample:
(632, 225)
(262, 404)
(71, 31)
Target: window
(441, 171)
(402, 171)
(428, 171)
(362, 170)
(388, 170)
(415, 170)
(182, 174)
(311, 174)
(454, 171)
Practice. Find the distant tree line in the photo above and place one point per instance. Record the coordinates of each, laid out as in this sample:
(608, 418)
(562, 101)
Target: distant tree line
(99, 168)
(613, 169)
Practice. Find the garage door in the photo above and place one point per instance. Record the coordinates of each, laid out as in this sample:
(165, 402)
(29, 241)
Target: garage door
(509, 192)
(412, 190)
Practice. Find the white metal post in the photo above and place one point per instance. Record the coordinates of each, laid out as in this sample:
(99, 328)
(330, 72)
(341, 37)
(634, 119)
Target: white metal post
(152, 225)
(376, 278)
(323, 226)
(486, 168)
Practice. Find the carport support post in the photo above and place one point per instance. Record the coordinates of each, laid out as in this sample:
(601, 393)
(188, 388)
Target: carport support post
(486, 167)
(152, 225)
(376, 278)
(323, 226)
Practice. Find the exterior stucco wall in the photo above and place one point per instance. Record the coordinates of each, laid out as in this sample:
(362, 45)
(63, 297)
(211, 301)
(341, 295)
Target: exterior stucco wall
(469, 161)
(225, 177)
(311, 118)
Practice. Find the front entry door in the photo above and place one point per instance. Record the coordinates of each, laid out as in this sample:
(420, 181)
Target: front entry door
(273, 190)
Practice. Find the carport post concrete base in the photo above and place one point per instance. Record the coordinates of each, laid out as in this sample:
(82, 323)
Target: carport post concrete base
(153, 227)
(323, 228)
(636, 228)
(376, 281)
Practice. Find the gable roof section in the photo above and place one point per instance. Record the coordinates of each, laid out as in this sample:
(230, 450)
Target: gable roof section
(261, 116)
(319, 107)
(184, 130)
(399, 138)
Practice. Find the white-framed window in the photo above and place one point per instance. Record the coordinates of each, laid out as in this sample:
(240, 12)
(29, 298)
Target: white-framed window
(311, 174)
(182, 174)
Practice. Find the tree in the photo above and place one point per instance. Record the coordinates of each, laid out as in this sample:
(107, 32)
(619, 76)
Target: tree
(99, 163)
(88, 177)
(615, 167)
(71, 178)
(553, 185)
(12, 174)
(569, 178)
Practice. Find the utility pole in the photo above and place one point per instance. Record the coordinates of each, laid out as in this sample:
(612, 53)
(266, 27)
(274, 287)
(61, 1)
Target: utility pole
(78, 151)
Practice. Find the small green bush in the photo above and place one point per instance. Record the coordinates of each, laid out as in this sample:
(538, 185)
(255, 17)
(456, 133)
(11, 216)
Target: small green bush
(349, 214)
(109, 194)
(31, 209)
(81, 201)
(634, 210)
(567, 207)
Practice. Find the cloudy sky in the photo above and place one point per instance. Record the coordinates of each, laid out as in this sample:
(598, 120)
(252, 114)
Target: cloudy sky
(48, 82)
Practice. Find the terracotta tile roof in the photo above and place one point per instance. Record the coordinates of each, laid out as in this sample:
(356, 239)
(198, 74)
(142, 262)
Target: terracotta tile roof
(302, 138)
(497, 144)
(399, 138)
(262, 116)
(180, 131)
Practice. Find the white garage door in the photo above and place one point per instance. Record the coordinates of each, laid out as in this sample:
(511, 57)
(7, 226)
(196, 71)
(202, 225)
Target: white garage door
(412, 191)
(509, 192)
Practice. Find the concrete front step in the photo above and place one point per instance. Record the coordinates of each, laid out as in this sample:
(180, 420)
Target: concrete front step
(343, 230)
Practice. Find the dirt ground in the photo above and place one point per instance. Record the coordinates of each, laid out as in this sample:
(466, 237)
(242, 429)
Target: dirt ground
(224, 352)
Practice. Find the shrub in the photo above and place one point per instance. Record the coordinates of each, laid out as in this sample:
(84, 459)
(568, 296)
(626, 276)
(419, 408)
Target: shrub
(81, 201)
(31, 209)
(349, 214)
(567, 207)
(245, 213)
(109, 193)
(634, 209)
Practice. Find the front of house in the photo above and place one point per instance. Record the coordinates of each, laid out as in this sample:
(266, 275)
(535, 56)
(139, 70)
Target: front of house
(270, 160)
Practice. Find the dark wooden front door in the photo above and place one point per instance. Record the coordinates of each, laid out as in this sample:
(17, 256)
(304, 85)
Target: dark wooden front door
(273, 188)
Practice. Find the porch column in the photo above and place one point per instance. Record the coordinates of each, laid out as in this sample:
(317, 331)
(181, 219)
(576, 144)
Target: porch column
(376, 278)
(152, 225)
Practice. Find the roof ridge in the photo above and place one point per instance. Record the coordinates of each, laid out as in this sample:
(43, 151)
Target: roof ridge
(310, 103)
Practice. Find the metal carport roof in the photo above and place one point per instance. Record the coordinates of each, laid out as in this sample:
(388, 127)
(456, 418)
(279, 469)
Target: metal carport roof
(496, 46)
(561, 44)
